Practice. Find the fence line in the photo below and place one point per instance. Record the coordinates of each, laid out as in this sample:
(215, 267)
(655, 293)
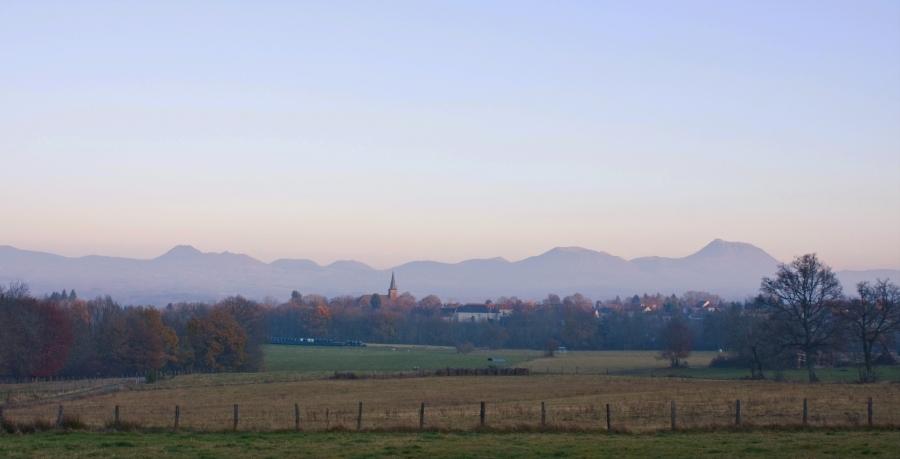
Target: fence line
(641, 416)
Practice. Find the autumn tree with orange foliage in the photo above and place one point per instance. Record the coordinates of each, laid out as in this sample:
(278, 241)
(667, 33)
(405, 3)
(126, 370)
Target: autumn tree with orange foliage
(218, 341)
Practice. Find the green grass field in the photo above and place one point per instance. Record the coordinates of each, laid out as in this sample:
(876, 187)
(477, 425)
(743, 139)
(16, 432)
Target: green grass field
(311, 361)
(832, 375)
(383, 358)
(761, 444)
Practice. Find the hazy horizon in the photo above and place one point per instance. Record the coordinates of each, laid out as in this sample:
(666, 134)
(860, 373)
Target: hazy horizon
(388, 133)
(326, 262)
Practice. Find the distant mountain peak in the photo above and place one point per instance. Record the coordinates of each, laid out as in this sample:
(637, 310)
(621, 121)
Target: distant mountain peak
(570, 249)
(722, 245)
(350, 265)
(181, 252)
(722, 249)
(295, 263)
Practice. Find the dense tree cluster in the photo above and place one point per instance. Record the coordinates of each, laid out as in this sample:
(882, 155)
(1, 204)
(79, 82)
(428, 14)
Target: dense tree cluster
(61, 335)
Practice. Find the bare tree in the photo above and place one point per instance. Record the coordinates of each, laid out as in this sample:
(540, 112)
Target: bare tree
(677, 341)
(16, 290)
(799, 299)
(872, 318)
(749, 336)
(550, 347)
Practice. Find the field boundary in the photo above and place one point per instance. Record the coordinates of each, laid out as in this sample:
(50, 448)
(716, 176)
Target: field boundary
(72, 425)
(606, 419)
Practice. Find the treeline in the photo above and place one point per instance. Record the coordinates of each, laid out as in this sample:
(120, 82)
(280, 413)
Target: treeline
(574, 321)
(62, 335)
(800, 317)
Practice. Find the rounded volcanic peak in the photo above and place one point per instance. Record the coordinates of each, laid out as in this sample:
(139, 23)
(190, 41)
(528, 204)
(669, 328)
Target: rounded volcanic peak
(572, 262)
(190, 255)
(181, 252)
(295, 264)
(349, 265)
(484, 261)
(720, 248)
(574, 253)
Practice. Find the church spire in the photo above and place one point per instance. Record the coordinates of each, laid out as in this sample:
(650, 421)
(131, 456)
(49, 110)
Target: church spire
(392, 290)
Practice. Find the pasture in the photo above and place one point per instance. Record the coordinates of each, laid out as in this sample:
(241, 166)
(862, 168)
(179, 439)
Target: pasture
(452, 403)
(295, 362)
(574, 389)
(377, 358)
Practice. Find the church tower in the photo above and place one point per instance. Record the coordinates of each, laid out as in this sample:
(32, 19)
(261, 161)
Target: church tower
(392, 291)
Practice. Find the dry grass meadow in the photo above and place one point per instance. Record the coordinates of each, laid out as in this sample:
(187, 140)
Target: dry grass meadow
(575, 402)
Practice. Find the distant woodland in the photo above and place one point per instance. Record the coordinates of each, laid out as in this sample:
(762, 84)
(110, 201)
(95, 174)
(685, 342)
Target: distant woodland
(801, 317)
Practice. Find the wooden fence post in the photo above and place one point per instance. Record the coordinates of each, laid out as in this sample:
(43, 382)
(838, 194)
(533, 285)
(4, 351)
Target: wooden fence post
(674, 426)
(359, 417)
(177, 416)
(296, 417)
(481, 414)
(805, 412)
(608, 419)
(869, 412)
(422, 416)
(59, 416)
(116, 416)
(737, 412)
(235, 417)
(543, 415)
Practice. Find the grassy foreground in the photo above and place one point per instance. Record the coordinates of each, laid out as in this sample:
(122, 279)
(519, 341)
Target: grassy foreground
(852, 443)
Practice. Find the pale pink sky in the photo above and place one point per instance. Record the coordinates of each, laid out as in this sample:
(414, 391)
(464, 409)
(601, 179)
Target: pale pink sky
(402, 131)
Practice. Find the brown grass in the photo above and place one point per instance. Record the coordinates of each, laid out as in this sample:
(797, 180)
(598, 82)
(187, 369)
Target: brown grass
(573, 402)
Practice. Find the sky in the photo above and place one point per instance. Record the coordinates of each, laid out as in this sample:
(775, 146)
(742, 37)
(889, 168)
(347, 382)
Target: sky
(395, 131)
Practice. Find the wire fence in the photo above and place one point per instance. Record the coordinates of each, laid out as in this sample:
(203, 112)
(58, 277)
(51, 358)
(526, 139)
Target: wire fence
(633, 416)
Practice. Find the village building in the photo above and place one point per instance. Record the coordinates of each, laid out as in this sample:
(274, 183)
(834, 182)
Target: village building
(475, 313)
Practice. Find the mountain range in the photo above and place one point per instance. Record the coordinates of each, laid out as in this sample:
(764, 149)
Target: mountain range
(730, 269)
